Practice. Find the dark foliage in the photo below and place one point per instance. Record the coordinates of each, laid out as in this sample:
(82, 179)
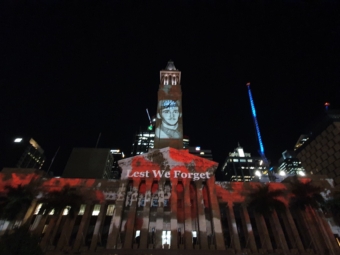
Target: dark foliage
(265, 201)
(15, 201)
(333, 206)
(20, 242)
(305, 194)
(58, 200)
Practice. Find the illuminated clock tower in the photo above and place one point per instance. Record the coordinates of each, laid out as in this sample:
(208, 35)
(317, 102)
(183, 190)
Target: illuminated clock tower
(169, 126)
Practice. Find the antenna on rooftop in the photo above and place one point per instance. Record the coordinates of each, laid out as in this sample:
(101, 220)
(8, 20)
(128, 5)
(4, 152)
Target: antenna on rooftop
(150, 127)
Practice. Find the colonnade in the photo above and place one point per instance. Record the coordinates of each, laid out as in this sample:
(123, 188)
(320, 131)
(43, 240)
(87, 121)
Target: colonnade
(58, 231)
(304, 232)
(195, 208)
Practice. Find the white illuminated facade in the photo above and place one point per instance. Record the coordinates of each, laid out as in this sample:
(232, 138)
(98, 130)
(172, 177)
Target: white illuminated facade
(289, 164)
(240, 166)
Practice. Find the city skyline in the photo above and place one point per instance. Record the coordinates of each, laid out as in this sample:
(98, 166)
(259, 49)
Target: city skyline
(70, 73)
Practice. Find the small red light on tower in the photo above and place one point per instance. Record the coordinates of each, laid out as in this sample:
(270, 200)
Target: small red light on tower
(326, 105)
(248, 84)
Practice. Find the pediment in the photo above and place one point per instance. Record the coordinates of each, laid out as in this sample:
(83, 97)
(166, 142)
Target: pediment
(167, 162)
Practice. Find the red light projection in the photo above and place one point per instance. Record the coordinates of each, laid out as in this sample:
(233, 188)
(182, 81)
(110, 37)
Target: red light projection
(167, 163)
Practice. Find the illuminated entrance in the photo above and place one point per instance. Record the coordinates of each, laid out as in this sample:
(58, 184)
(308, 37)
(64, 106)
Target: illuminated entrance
(166, 239)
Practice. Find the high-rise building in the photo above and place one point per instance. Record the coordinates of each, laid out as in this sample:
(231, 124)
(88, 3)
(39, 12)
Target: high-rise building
(320, 153)
(143, 142)
(24, 153)
(207, 154)
(116, 171)
(242, 167)
(95, 163)
(289, 164)
(186, 142)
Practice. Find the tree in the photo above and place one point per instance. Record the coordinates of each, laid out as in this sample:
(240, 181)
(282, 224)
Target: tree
(16, 200)
(9, 243)
(57, 201)
(305, 194)
(15, 203)
(333, 206)
(306, 199)
(266, 202)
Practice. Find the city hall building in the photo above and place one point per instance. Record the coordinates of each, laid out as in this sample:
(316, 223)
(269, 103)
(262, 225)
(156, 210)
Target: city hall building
(168, 201)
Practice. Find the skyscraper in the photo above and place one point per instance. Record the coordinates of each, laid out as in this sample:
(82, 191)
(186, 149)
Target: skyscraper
(25, 153)
(242, 167)
(116, 171)
(143, 142)
(200, 152)
(289, 164)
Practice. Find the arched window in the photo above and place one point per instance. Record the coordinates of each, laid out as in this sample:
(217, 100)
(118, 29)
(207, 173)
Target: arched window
(174, 80)
(166, 80)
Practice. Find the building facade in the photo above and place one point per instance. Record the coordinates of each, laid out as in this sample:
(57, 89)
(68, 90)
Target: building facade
(240, 166)
(320, 153)
(203, 153)
(168, 201)
(24, 153)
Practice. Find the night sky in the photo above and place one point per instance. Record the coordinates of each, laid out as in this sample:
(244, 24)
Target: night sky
(70, 70)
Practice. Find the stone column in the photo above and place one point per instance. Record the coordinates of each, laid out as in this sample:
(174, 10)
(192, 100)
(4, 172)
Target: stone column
(215, 214)
(116, 220)
(29, 213)
(202, 224)
(279, 236)
(263, 232)
(313, 231)
(292, 231)
(159, 218)
(326, 232)
(66, 232)
(173, 215)
(248, 229)
(130, 223)
(82, 231)
(38, 224)
(50, 232)
(235, 240)
(187, 216)
(99, 225)
(144, 233)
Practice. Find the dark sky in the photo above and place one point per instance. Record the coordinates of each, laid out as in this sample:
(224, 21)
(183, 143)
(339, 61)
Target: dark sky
(72, 69)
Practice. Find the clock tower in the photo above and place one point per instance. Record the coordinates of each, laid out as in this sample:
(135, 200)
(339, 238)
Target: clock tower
(169, 126)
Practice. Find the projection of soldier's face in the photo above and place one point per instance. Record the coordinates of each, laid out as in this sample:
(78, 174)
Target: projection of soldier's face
(169, 113)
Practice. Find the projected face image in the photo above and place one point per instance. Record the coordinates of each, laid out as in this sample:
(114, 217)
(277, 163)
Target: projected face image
(170, 115)
(169, 112)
